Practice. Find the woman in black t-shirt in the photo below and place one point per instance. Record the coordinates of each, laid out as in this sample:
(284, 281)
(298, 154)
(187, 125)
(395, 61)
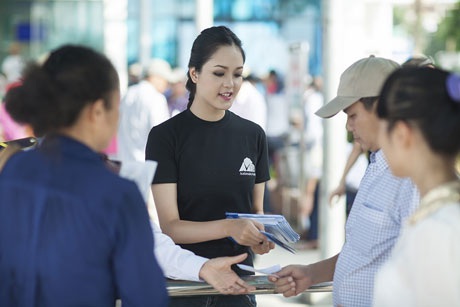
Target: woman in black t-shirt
(211, 161)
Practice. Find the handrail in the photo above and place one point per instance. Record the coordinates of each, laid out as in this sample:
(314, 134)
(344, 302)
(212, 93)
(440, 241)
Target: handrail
(263, 286)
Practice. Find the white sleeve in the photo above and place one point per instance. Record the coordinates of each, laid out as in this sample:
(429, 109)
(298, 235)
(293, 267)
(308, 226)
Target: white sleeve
(176, 262)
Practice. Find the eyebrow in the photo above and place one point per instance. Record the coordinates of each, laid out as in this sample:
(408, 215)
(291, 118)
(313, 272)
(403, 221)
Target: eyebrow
(225, 67)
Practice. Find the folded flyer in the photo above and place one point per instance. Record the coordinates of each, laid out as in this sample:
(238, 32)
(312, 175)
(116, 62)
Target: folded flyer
(277, 228)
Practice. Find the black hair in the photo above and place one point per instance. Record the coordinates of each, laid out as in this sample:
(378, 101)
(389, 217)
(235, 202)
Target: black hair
(369, 102)
(204, 46)
(419, 96)
(52, 95)
(418, 61)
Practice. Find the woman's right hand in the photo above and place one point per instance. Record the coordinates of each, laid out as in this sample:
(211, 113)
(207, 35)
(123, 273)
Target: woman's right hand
(245, 231)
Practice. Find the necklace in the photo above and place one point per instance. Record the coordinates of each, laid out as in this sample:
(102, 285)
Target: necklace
(435, 199)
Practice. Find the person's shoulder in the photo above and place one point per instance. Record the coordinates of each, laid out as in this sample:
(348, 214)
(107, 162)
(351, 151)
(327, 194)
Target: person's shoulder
(175, 123)
(115, 184)
(245, 123)
(441, 223)
(15, 160)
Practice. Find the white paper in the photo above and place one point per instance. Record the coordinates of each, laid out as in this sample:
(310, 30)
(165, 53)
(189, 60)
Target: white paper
(141, 172)
(267, 271)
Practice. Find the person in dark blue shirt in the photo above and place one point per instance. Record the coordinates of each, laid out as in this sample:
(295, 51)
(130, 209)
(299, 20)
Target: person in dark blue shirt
(72, 232)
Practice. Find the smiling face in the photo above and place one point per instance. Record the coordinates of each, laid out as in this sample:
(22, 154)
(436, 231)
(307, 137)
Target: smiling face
(218, 82)
(364, 124)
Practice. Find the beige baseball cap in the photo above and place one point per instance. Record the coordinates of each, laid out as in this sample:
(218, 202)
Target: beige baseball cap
(363, 78)
(161, 68)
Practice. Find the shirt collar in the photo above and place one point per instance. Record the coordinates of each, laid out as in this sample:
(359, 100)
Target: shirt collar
(378, 159)
(69, 146)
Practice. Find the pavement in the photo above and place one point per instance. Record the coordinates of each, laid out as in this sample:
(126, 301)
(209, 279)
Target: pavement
(283, 258)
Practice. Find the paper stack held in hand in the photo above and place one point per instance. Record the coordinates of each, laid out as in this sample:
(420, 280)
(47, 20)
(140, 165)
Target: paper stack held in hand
(277, 228)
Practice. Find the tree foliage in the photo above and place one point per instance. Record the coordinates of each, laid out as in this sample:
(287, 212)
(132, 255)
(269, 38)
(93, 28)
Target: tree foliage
(448, 35)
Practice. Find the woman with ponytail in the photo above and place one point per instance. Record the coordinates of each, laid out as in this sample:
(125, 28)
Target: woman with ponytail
(420, 135)
(72, 232)
(211, 161)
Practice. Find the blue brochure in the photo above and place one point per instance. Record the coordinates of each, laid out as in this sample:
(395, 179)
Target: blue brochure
(277, 229)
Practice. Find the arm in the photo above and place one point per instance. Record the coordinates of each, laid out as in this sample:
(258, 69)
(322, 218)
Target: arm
(258, 198)
(294, 279)
(244, 231)
(179, 263)
(310, 188)
(354, 155)
(137, 275)
(258, 203)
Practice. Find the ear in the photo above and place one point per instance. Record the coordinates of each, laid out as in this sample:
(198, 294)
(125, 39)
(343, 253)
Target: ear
(193, 74)
(96, 111)
(403, 134)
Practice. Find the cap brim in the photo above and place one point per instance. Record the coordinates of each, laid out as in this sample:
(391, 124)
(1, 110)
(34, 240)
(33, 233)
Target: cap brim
(336, 105)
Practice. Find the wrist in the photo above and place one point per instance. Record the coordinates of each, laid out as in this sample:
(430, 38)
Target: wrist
(227, 227)
(202, 274)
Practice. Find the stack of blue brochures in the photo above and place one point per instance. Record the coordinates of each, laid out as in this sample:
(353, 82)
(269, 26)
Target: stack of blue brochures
(277, 228)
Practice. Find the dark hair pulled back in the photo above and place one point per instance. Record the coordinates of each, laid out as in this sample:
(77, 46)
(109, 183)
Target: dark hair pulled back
(52, 95)
(204, 46)
(419, 95)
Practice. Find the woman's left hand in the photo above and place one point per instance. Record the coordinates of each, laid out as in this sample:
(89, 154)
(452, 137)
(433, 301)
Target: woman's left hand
(264, 247)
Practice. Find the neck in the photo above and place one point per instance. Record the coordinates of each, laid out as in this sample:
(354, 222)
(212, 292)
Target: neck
(434, 173)
(207, 114)
(81, 135)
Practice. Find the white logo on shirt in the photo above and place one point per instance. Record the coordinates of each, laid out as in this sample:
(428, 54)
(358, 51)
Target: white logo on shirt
(247, 168)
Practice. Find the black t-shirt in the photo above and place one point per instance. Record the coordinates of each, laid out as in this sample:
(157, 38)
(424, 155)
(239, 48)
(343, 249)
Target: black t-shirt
(215, 166)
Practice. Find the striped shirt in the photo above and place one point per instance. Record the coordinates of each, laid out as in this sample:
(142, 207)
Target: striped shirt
(382, 204)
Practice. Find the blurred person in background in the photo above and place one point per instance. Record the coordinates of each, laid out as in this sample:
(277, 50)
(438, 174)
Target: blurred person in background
(278, 127)
(72, 232)
(13, 64)
(143, 107)
(211, 161)
(353, 172)
(313, 135)
(177, 94)
(134, 73)
(419, 61)
(250, 104)
(12, 130)
(420, 135)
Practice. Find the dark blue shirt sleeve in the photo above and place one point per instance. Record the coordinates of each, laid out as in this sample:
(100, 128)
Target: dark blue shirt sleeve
(134, 262)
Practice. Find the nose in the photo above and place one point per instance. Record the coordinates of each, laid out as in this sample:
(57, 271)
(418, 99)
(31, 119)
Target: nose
(348, 125)
(228, 82)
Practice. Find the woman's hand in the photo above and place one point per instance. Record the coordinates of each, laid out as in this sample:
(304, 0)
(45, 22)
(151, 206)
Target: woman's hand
(245, 231)
(263, 248)
(218, 273)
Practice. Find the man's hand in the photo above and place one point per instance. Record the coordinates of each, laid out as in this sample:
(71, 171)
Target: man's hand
(292, 280)
(218, 273)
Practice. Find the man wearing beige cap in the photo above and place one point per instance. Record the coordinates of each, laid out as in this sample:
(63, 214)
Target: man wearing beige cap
(380, 207)
(143, 107)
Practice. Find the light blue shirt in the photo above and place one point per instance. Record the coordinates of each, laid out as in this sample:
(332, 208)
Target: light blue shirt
(382, 204)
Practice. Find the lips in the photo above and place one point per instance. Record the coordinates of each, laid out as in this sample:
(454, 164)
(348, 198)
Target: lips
(226, 96)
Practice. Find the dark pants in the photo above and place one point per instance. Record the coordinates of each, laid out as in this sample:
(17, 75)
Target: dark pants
(214, 301)
(312, 233)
